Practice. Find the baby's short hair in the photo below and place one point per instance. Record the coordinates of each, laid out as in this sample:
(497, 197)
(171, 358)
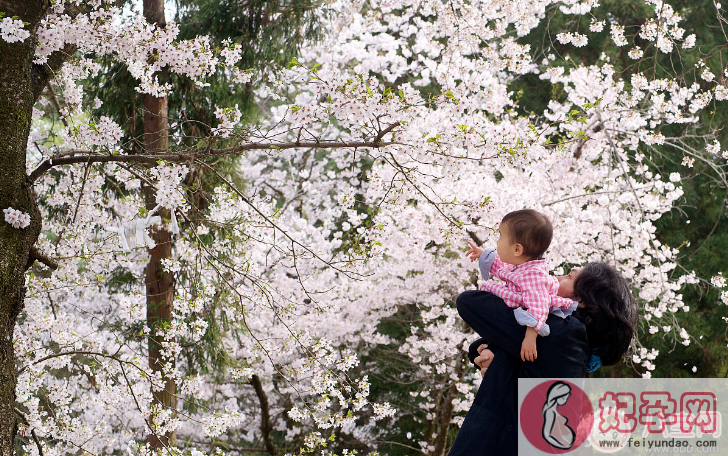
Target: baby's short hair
(531, 229)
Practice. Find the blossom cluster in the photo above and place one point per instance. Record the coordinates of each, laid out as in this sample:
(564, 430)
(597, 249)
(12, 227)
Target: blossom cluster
(104, 132)
(231, 52)
(16, 218)
(718, 281)
(132, 42)
(229, 118)
(169, 178)
(12, 30)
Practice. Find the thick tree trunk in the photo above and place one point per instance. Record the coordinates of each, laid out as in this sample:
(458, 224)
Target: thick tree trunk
(160, 296)
(17, 96)
(159, 284)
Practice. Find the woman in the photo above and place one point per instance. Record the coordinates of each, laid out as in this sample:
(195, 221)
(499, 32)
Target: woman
(603, 323)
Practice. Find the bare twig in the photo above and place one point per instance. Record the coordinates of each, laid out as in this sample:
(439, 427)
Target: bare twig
(273, 224)
(56, 104)
(80, 193)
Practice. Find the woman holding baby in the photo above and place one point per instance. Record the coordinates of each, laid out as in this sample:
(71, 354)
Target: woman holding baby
(535, 325)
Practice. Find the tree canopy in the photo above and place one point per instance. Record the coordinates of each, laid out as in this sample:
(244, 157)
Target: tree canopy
(242, 228)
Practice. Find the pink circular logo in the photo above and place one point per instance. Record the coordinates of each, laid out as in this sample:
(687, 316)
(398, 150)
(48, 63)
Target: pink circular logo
(556, 416)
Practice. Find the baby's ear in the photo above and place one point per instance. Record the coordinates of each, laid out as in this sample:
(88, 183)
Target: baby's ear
(518, 250)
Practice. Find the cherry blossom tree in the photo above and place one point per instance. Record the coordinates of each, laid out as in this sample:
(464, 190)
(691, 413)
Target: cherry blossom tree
(381, 151)
(131, 42)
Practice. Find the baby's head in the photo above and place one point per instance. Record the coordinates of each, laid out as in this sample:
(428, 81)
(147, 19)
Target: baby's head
(524, 236)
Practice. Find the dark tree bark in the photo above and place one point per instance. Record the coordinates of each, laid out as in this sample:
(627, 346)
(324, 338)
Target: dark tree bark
(159, 284)
(160, 298)
(19, 79)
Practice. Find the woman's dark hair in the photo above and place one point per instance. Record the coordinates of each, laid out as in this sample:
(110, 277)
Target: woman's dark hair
(609, 310)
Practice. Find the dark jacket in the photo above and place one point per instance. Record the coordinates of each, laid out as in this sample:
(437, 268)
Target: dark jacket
(490, 427)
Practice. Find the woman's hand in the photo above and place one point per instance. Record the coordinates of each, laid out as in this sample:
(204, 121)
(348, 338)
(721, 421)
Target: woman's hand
(484, 358)
(474, 252)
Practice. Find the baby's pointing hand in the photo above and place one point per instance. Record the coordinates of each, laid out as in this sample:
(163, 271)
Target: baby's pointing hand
(474, 252)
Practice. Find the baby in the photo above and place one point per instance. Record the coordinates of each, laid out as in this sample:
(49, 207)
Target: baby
(527, 286)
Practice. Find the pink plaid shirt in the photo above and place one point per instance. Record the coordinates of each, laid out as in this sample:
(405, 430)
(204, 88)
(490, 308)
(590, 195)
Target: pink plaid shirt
(528, 286)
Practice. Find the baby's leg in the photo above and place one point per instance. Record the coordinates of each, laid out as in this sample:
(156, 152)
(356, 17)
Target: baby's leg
(492, 319)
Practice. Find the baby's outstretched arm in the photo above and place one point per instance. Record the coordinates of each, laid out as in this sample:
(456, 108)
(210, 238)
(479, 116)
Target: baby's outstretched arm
(488, 261)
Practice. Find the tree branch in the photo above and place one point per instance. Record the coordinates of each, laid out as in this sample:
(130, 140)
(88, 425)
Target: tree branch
(44, 73)
(247, 201)
(56, 104)
(606, 192)
(83, 352)
(36, 254)
(385, 131)
(201, 153)
(32, 431)
(265, 425)
(41, 74)
(475, 238)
